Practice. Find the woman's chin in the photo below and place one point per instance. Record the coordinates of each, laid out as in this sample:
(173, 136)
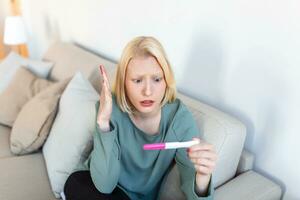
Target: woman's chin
(147, 110)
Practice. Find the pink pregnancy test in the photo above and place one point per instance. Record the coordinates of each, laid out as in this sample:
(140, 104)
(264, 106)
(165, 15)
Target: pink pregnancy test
(169, 145)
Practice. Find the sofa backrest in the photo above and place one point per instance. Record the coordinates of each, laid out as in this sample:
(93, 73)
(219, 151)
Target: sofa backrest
(226, 133)
(69, 58)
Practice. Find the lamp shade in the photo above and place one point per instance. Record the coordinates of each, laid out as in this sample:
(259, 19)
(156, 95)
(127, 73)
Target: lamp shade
(14, 30)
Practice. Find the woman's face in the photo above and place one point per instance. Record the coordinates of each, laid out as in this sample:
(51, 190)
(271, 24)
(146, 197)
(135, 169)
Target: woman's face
(145, 84)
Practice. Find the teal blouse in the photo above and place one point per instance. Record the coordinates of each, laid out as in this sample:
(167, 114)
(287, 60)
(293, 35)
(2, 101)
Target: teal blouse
(118, 158)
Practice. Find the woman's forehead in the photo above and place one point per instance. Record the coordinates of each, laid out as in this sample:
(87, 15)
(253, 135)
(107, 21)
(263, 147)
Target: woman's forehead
(144, 65)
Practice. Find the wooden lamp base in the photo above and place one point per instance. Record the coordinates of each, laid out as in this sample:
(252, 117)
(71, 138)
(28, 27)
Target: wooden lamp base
(21, 49)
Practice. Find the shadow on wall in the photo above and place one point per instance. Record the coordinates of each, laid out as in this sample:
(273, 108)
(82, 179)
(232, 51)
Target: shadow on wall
(51, 28)
(204, 77)
(260, 83)
(41, 41)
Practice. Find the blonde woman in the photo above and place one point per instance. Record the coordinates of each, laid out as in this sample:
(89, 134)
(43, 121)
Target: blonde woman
(142, 108)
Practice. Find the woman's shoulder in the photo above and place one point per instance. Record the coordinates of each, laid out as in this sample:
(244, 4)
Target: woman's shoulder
(178, 107)
(183, 120)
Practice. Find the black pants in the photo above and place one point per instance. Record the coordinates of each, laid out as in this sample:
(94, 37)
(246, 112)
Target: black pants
(79, 186)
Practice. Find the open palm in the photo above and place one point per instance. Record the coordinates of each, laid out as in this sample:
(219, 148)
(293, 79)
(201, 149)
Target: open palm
(105, 108)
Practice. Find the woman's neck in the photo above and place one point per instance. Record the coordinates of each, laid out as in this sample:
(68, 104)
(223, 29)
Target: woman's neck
(147, 123)
(146, 116)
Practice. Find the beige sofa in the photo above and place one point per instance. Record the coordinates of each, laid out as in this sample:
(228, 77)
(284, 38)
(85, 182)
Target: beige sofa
(25, 177)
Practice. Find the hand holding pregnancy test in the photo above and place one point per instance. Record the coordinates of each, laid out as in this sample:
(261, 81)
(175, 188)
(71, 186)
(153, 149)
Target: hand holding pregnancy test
(170, 145)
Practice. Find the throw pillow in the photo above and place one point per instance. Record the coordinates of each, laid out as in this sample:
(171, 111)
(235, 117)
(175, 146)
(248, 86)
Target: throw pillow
(13, 61)
(34, 121)
(70, 140)
(23, 87)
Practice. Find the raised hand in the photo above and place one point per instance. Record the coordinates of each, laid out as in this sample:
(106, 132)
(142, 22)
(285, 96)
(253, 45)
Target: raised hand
(105, 108)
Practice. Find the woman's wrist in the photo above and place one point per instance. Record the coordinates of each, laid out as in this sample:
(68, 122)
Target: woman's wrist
(103, 125)
(202, 183)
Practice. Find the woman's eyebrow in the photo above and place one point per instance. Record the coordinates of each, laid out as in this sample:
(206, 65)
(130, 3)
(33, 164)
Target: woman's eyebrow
(136, 76)
(142, 75)
(157, 76)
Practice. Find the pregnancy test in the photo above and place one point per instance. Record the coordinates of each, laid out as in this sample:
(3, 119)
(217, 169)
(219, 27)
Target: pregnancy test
(170, 145)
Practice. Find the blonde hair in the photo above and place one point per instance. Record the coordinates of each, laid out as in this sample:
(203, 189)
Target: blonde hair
(142, 47)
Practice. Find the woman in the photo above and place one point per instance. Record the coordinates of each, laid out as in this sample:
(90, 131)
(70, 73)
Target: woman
(141, 109)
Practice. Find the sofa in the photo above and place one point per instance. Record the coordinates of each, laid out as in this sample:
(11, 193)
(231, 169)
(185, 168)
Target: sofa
(25, 176)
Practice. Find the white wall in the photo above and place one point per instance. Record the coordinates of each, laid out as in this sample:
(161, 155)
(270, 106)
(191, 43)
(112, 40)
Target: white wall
(239, 56)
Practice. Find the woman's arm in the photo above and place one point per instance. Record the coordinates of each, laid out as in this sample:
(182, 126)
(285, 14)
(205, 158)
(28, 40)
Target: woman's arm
(105, 159)
(193, 184)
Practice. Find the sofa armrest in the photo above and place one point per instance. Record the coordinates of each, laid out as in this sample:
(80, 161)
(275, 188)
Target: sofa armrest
(246, 162)
(249, 186)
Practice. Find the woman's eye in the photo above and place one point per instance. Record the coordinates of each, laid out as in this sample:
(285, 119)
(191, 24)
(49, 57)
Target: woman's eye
(157, 79)
(137, 80)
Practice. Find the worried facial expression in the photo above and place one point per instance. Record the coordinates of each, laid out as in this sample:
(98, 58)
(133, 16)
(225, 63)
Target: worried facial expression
(145, 84)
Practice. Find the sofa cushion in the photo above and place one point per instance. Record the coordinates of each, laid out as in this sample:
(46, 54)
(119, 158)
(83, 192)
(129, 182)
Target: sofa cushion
(31, 129)
(69, 58)
(226, 133)
(4, 141)
(13, 61)
(249, 186)
(23, 87)
(170, 189)
(24, 177)
(70, 139)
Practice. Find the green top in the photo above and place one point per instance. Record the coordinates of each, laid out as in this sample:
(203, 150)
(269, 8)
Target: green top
(118, 158)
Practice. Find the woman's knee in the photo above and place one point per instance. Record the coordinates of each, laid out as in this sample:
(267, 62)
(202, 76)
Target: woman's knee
(74, 182)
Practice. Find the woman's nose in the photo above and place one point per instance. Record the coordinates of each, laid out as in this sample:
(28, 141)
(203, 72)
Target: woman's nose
(147, 89)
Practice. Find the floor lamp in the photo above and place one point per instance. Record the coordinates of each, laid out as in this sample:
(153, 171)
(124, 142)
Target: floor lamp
(15, 34)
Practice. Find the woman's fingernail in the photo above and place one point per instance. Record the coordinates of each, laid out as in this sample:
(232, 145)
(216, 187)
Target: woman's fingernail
(101, 69)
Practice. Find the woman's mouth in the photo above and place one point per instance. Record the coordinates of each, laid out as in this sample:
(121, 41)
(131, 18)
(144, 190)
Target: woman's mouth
(146, 103)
